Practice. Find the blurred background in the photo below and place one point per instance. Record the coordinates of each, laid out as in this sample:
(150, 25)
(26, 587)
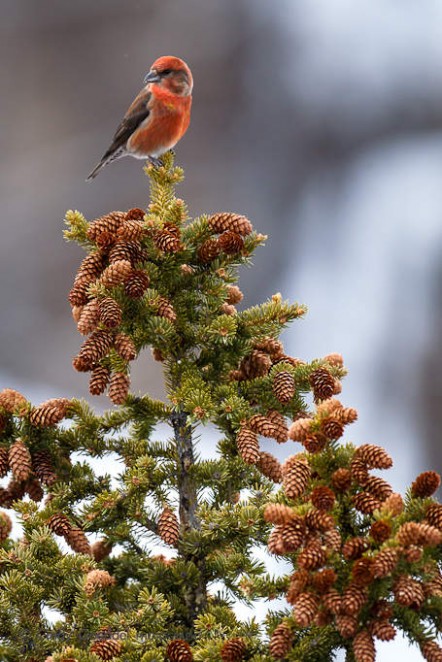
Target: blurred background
(321, 121)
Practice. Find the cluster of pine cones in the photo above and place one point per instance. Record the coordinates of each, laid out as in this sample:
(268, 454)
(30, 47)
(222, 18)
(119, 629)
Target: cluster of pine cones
(393, 551)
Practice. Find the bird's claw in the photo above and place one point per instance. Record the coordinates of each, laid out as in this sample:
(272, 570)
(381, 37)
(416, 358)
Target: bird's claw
(157, 163)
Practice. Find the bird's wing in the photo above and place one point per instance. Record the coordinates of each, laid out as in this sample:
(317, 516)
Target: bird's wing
(137, 112)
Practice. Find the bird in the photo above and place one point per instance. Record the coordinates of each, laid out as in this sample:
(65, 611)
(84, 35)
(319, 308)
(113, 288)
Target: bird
(158, 116)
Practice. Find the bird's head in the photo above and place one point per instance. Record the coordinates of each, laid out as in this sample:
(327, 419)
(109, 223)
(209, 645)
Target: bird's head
(171, 73)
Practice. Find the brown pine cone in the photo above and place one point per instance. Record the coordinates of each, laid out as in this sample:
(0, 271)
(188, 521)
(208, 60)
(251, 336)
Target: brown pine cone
(354, 548)
(101, 549)
(270, 466)
(77, 541)
(363, 647)
(95, 347)
(425, 484)
(322, 383)
(380, 531)
(165, 309)
(332, 428)
(278, 513)
(375, 457)
(353, 599)
(305, 609)
(383, 630)
(323, 580)
(248, 446)
(255, 364)
(296, 475)
(168, 527)
(105, 240)
(434, 515)
(49, 413)
(234, 294)
(59, 524)
(15, 490)
(366, 503)
(97, 579)
(13, 402)
(230, 242)
(167, 241)
(78, 295)
(89, 318)
(130, 251)
(233, 650)
(341, 479)
(300, 429)
(275, 543)
(281, 433)
(293, 534)
(274, 348)
(347, 626)
(299, 580)
(34, 489)
(135, 214)
(119, 387)
(20, 460)
(90, 268)
(323, 498)
(224, 221)
(5, 526)
(43, 467)
(319, 520)
(208, 251)
(116, 273)
(4, 461)
(6, 498)
(124, 346)
(385, 562)
(132, 230)
(312, 557)
(408, 592)
(283, 387)
(107, 223)
(332, 600)
(419, 533)
(378, 487)
(359, 471)
(431, 651)
(99, 380)
(362, 572)
(179, 650)
(262, 425)
(136, 284)
(280, 641)
(106, 649)
(110, 312)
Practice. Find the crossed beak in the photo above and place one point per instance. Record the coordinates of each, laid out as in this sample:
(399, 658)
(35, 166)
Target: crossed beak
(152, 77)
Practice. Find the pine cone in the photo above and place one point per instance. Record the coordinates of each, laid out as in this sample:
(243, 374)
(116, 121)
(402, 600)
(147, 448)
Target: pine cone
(296, 475)
(281, 433)
(359, 471)
(135, 214)
(332, 428)
(283, 387)
(375, 457)
(312, 557)
(43, 467)
(89, 318)
(362, 572)
(49, 413)
(378, 487)
(34, 489)
(305, 609)
(167, 241)
(110, 312)
(78, 295)
(431, 651)
(275, 543)
(300, 429)
(77, 540)
(20, 460)
(168, 527)
(99, 380)
(15, 490)
(319, 520)
(408, 592)
(119, 387)
(434, 515)
(116, 273)
(59, 524)
(323, 580)
(132, 230)
(5, 526)
(354, 548)
(419, 533)
(385, 562)
(383, 630)
(380, 531)
(101, 549)
(293, 534)
(269, 466)
(425, 484)
(366, 503)
(347, 626)
(97, 579)
(255, 364)
(323, 498)
(280, 641)
(13, 402)
(363, 647)
(208, 251)
(262, 425)
(315, 443)
(179, 650)
(136, 284)
(130, 251)
(224, 221)
(341, 480)
(248, 446)
(105, 240)
(107, 223)
(234, 294)
(233, 650)
(332, 600)
(274, 348)
(95, 347)
(106, 649)
(4, 461)
(90, 268)
(125, 347)
(322, 383)
(165, 309)
(230, 243)
(278, 513)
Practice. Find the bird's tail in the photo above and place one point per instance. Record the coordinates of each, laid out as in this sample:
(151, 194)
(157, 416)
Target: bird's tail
(107, 158)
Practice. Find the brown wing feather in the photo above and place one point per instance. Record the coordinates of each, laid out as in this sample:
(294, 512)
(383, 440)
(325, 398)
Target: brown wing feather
(137, 112)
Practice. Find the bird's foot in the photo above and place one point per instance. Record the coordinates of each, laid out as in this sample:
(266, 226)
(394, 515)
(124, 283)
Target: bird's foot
(155, 162)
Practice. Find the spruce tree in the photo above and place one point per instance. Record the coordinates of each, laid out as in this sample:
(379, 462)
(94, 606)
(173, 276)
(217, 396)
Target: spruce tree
(361, 561)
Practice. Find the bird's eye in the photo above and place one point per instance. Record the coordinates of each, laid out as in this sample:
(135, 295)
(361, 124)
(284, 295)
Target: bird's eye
(166, 72)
